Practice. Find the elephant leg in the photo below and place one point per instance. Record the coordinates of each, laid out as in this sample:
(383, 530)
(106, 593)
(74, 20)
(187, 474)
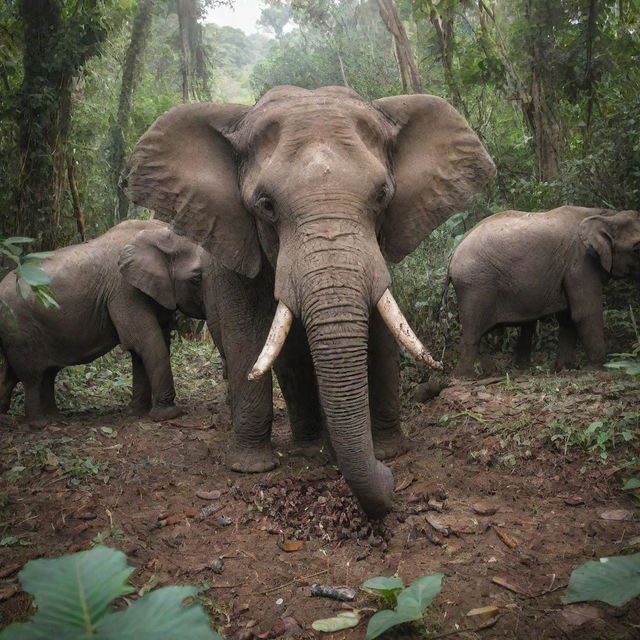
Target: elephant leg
(243, 309)
(384, 391)
(297, 379)
(34, 412)
(524, 345)
(8, 381)
(476, 319)
(140, 403)
(143, 335)
(567, 340)
(585, 304)
(48, 393)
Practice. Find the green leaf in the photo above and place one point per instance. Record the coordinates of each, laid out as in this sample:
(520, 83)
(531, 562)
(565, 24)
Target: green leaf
(384, 586)
(71, 593)
(612, 580)
(632, 483)
(39, 255)
(419, 595)
(32, 273)
(383, 620)
(18, 240)
(159, 614)
(343, 620)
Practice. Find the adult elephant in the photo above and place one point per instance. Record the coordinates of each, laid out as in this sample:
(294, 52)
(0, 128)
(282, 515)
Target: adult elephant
(515, 267)
(298, 198)
(120, 288)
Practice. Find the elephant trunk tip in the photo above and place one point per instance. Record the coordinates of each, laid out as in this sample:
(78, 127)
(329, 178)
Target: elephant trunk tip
(402, 331)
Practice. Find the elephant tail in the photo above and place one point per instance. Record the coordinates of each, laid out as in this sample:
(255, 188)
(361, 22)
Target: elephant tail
(443, 294)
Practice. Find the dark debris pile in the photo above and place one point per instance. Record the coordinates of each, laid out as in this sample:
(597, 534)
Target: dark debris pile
(320, 507)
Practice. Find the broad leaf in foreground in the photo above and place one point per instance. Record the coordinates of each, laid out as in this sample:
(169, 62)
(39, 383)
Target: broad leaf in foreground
(71, 593)
(611, 580)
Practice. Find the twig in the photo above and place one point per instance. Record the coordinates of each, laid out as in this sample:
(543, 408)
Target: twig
(286, 584)
(453, 632)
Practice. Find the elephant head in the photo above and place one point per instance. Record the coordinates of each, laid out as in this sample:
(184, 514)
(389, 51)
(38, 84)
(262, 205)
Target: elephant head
(167, 267)
(614, 238)
(322, 184)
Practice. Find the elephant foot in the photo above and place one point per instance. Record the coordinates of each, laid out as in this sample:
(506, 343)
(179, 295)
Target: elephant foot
(308, 448)
(389, 444)
(37, 423)
(157, 414)
(245, 460)
(137, 409)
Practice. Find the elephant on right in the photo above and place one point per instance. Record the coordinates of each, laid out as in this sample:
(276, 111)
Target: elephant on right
(515, 267)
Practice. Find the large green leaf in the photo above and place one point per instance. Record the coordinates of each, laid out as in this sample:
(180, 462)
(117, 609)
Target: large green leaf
(387, 587)
(611, 580)
(383, 620)
(416, 598)
(632, 483)
(71, 593)
(33, 273)
(159, 614)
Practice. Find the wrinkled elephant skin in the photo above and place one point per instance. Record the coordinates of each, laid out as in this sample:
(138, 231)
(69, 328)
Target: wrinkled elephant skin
(298, 198)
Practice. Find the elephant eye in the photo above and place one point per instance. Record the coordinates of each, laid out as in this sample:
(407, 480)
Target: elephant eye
(383, 194)
(265, 208)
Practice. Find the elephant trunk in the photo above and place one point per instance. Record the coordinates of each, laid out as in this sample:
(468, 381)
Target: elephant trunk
(335, 312)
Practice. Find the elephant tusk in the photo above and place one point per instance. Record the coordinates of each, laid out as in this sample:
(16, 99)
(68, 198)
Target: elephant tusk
(402, 332)
(277, 335)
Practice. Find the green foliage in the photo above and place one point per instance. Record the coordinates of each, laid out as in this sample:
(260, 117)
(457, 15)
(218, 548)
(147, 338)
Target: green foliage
(410, 603)
(73, 596)
(28, 270)
(615, 581)
(598, 437)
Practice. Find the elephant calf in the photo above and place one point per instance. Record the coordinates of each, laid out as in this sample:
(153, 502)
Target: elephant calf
(515, 267)
(121, 288)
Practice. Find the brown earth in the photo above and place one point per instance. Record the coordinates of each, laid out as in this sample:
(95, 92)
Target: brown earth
(499, 493)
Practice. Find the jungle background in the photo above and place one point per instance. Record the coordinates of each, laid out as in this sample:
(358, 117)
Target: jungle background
(550, 86)
(524, 472)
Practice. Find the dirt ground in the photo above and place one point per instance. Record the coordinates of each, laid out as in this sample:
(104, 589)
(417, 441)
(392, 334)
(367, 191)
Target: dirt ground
(502, 492)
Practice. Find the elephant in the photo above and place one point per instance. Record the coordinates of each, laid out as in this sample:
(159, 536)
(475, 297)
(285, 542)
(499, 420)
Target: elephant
(120, 288)
(515, 267)
(297, 198)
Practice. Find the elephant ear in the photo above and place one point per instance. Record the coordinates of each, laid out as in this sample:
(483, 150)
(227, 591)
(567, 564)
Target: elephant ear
(595, 235)
(438, 164)
(184, 168)
(144, 264)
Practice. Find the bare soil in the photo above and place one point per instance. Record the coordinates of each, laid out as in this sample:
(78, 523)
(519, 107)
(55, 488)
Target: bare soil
(498, 493)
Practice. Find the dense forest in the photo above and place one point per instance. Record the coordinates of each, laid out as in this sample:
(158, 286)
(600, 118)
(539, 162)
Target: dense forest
(550, 87)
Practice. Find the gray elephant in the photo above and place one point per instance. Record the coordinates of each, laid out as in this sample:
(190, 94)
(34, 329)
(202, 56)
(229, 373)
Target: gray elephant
(120, 288)
(515, 267)
(298, 198)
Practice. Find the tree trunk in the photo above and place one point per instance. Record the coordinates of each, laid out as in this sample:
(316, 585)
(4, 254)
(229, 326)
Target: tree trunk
(55, 47)
(409, 75)
(75, 198)
(120, 129)
(444, 33)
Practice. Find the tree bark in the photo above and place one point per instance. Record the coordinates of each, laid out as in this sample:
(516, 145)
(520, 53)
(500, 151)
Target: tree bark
(75, 198)
(55, 47)
(409, 75)
(119, 130)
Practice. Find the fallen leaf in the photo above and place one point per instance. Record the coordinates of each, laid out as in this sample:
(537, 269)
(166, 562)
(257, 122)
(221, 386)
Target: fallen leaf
(291, 545)
(573, 501)
(440, 528)
(209, 495)
(617, 514)
(404, 484)
(483, 612)
(343, 620)
(484, 508)
(504, 582)
(508, 540)
(574, 616)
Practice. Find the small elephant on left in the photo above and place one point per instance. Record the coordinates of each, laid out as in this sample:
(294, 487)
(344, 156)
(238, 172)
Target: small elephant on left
(120, 288)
